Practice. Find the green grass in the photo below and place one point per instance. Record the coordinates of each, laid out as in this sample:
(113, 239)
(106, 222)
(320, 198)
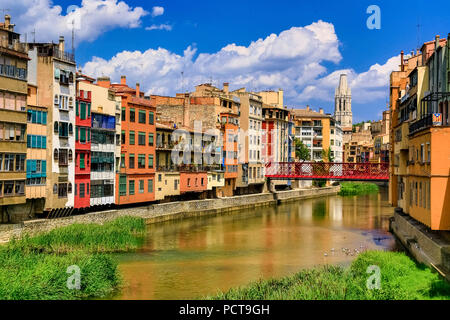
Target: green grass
(358, 188)
(120, 235)
(401, 279)
(35, 268)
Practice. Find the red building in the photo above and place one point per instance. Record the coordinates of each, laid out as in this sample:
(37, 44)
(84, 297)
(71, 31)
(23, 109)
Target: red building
(82, 149)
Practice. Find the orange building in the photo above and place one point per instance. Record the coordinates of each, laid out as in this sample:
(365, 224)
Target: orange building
(230, 127)
(136, 177)
(420, 181)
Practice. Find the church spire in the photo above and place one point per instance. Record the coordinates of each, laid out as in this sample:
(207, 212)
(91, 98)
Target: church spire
(343, 103)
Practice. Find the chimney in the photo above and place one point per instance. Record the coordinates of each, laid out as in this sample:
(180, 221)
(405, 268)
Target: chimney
(321, 111)
(123, 80)
(402, 61)
(138, 90)
(187, 103)
(436, 44)
(61, 44)
(226, 87)
(308, 108)
(104, 82)
(7, 21)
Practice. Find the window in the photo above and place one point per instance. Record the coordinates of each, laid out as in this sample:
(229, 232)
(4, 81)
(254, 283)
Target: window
(141, 161)
(8, 164)
(123, 138)
(131, 187)
(151, 118)
(123, 114)
(428, 152)
(151, 139)
(20, 162)
(150, 185)
(82, 190)
(141, 186)
(132, 115)
(141, 138)
(9, 188)
(82, 163)
(62, 190)
(131, 161)
(132, 138)
(63, 157)
(123, 185)
(150, 161)
(142, 115)
(19, 189)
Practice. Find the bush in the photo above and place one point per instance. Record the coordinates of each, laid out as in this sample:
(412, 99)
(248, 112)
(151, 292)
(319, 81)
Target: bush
(358, 188)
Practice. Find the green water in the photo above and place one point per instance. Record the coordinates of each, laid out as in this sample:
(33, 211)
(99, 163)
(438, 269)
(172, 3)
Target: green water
(196, 257)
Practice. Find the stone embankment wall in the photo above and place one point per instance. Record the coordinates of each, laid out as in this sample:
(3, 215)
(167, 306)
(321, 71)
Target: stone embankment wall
(167, 211)
(426, 246)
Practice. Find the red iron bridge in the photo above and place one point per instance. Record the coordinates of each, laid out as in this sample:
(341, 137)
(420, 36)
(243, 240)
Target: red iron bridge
(328, 171)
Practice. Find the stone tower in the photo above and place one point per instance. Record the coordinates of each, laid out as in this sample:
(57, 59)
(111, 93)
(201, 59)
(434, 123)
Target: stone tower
(343, 103)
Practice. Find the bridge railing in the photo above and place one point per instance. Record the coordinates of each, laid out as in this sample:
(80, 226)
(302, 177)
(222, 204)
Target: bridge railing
(322, 170)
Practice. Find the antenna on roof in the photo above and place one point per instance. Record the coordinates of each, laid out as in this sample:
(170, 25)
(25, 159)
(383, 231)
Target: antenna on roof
(34, 35)
(418, 32)
(73, 37)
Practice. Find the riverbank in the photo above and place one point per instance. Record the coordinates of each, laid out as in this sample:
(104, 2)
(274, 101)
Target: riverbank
(401, 279)
(166, 212)
(45, 267)
(427, 247)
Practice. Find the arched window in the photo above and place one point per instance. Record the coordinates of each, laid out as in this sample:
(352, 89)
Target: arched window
(55, 127)
(55, 188)
(70, 128)
(69, 188)
(70, 155)
(71, 77)
(55, 154)
(56, 101)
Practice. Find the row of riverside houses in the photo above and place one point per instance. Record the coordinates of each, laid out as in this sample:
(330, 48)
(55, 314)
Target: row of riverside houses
(71, 143)
(420, 131)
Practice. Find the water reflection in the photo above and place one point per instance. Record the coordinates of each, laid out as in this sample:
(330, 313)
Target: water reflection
(196, 257)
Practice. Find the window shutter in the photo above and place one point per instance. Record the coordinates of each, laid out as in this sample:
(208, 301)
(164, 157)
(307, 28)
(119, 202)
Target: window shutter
(44, 168)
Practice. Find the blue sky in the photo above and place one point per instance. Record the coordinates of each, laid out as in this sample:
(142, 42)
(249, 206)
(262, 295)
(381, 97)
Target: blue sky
(123, 43)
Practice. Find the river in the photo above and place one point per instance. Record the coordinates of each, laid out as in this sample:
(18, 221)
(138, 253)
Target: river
(196, 257)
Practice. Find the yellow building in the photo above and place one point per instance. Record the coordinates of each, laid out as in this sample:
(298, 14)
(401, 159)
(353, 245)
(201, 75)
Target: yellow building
(13, 122)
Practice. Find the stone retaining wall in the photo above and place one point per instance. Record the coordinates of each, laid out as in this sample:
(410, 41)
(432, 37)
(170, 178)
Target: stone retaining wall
(165, 212)
(424, 245)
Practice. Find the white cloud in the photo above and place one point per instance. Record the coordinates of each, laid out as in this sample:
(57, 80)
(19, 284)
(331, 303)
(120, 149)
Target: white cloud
(166, 27)
(293, 60)
(366, 86)
(91, 19)
(157, 11)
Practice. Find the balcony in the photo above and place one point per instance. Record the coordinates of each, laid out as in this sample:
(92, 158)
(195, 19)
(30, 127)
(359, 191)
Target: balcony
(421, 124)
(49, 51)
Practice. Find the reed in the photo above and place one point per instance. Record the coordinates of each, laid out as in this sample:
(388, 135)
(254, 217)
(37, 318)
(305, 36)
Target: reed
(358, 188)
(121, 235)
(401, 279)
(35, 268)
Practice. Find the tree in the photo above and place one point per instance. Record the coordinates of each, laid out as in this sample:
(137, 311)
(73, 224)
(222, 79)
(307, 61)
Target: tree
(326, 154)
(301, 151)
